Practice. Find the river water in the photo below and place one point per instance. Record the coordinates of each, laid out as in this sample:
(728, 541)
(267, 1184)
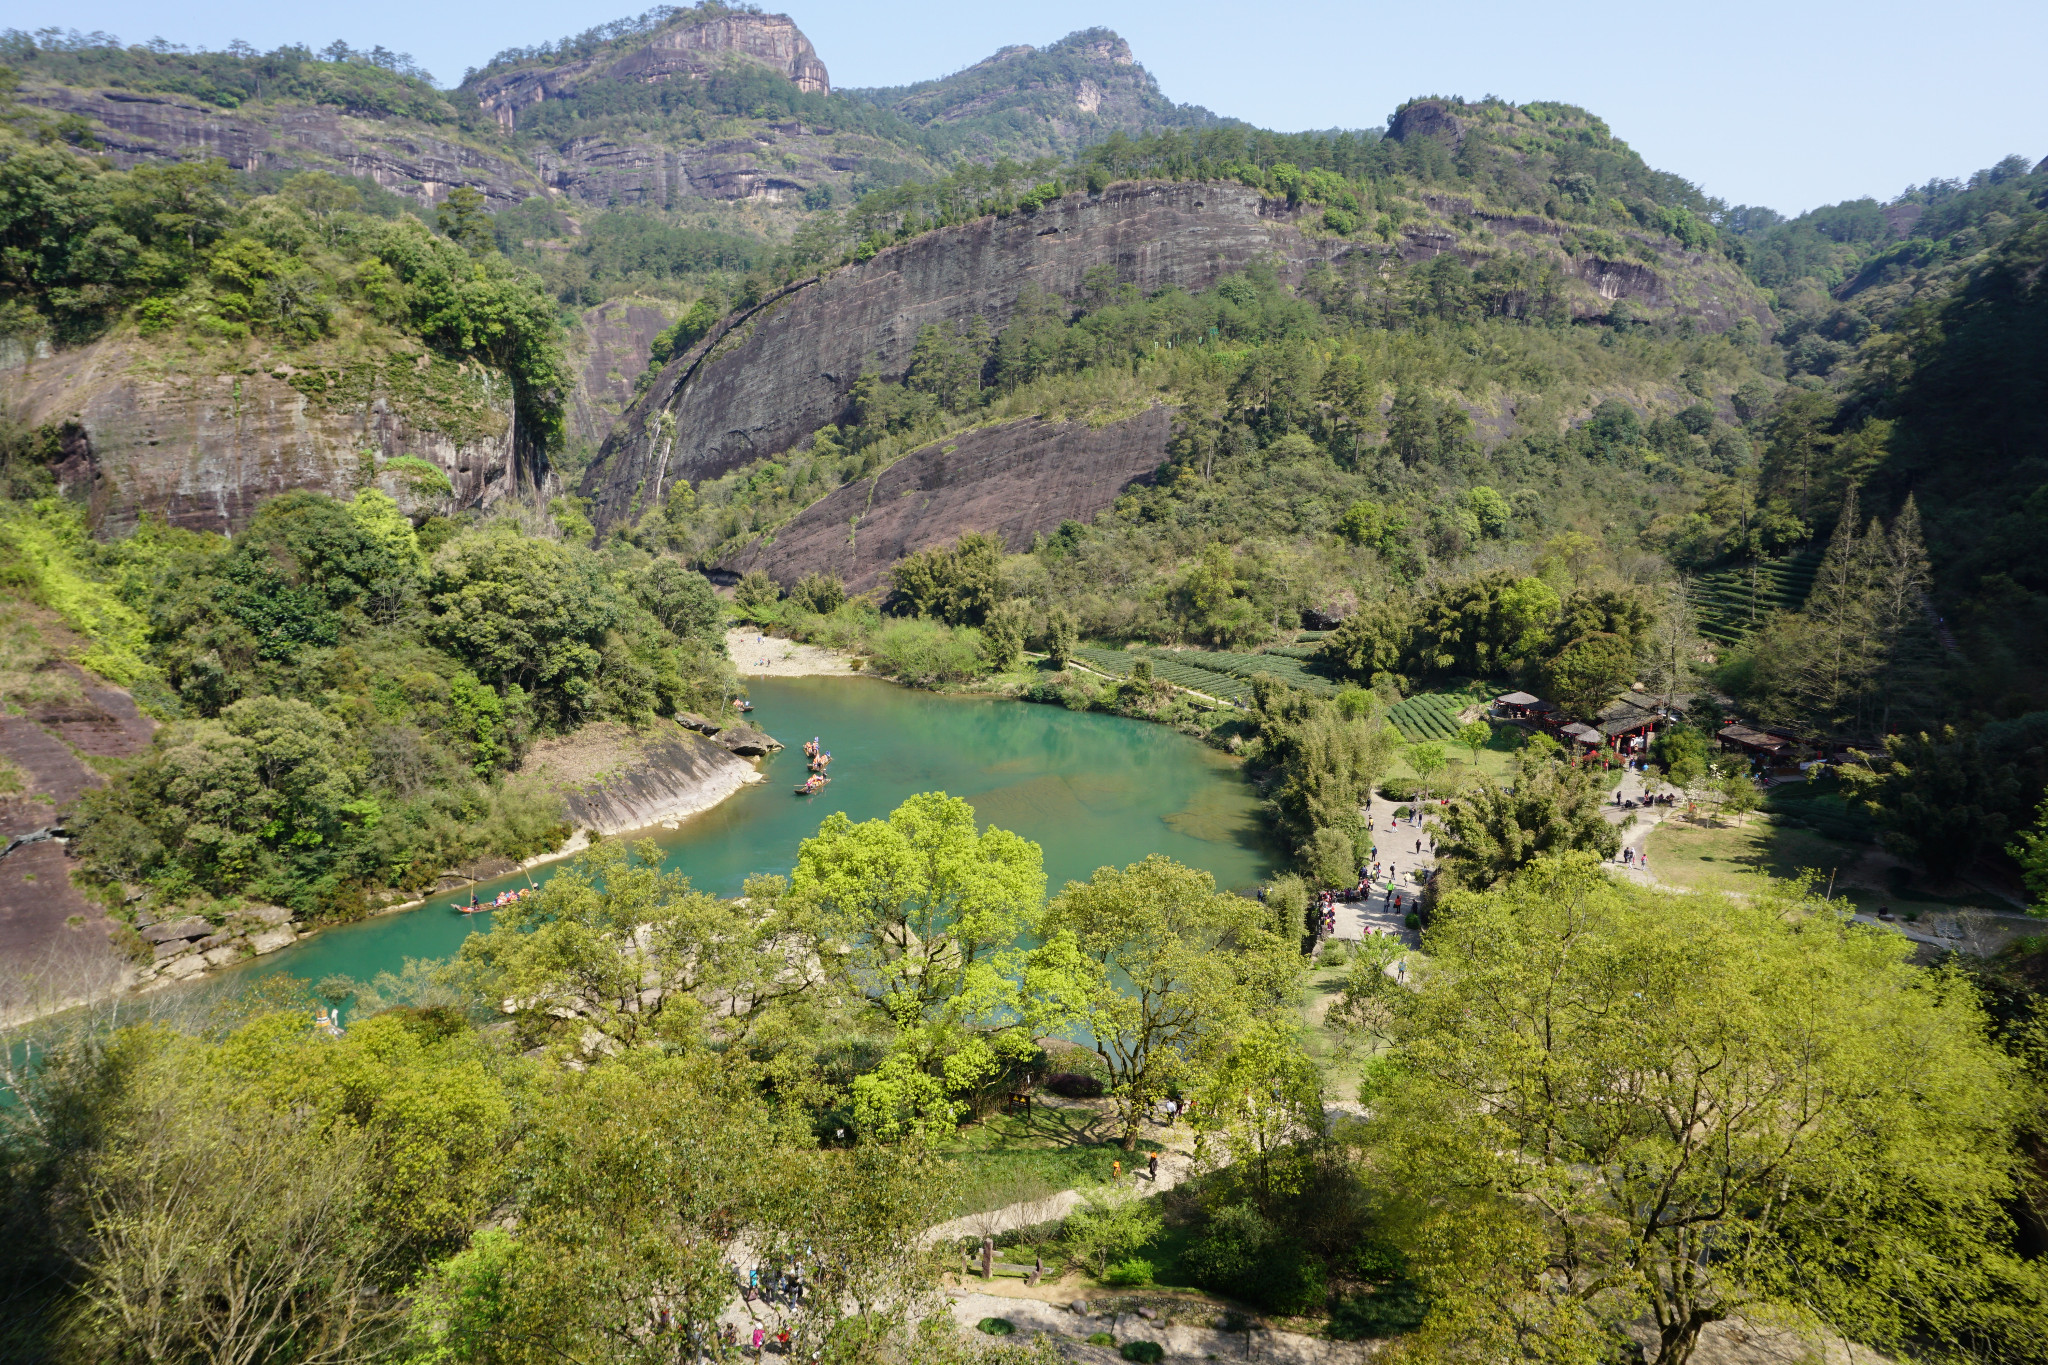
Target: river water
(1092, 790)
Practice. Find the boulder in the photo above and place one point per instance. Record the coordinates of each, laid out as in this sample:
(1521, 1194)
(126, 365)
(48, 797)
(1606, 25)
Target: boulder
(223, 955)
(215, 940)
(192, 926)
(747, 741)
(172, 948)
(273, 915)
(690, 720)
(270, 940)
(179, 968)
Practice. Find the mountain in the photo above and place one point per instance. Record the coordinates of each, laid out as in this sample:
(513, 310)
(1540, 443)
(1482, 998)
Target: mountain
(1026, 101)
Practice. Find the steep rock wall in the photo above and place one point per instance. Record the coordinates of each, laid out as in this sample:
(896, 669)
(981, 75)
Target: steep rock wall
(769, 377)
(609, 353)
(765, 378)
(202, 443)
(1017, 479)
(406, 159)
(615, 779)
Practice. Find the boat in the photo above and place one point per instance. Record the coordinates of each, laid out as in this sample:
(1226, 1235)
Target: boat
(814, 784)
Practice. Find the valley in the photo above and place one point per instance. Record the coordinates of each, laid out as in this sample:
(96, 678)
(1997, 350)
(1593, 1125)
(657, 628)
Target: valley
(1416, 670)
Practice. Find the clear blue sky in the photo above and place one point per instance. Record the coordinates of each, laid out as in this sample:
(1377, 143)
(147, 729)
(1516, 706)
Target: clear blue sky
(1790, 104)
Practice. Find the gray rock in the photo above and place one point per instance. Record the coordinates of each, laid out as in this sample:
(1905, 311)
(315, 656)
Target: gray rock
(272, 915)
(172, 948)
(191, 964)
(1080, 1306)
(690, 720)
(748, 741)
(192, 926)
(270, 940)
(222, 956)
(215, 940)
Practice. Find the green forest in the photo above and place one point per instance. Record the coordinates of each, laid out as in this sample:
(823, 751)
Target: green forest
(903, 1098)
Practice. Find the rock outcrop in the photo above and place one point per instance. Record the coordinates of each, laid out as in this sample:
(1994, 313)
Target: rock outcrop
(614, 778)
(201, 440)
(186, 947)
(691, 48)
(415, 160)
(969, 482)
(767, 377)
(609, 352)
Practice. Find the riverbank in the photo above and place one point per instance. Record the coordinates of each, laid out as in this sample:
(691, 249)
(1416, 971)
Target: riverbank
(756, 654)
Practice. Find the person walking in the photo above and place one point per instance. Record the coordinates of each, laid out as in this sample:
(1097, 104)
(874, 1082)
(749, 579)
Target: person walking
(759, 1337)
(1152, 1165)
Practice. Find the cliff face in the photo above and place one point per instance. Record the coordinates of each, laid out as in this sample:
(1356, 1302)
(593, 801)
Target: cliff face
(769, 377)
(970, 482)
(609, 352)
(765, 379)
(200, 443)
(406, 159)
(688, 50)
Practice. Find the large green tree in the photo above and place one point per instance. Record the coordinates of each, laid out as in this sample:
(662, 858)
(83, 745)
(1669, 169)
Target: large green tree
(1489, 832)
(1155, 965)
(1690, 1107)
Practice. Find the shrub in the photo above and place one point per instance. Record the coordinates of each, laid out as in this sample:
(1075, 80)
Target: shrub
(997, 1327)
(925, 654)
(1240, 1253)
(1413, 921)
(1073, 1086)
(1109, 1227)
(1130, 1270)
(1148, 1352)
(1101, 1339)
(1399, 789)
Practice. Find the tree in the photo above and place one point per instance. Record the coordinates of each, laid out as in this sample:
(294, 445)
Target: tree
(1589, 673)
(1475, 736)
(1489, 833)
(2030, 851)
(1003, 634)
(1739, 796)
(1156, 965)
(1684, 753)
(821, 593)
(929, 908)
(465, 219)
(524, 613)
(679, 597)
(959, 586)
(1261, 1102)
(613, 944)
(1830, 649)
(1427, 760)
(1634, 1087)
(1061, 637)
(755, 591)
(1673, 650)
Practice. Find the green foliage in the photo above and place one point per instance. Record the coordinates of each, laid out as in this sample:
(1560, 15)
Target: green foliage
(1565, 972)
(958, 586)
(1490, 833)
(1200, 966)
(1110, 1228)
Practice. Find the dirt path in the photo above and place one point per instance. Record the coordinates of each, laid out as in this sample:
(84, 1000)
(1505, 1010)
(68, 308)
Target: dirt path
(759, 655)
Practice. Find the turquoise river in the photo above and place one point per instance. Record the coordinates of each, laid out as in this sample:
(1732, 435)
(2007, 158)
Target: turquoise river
(1090, 789)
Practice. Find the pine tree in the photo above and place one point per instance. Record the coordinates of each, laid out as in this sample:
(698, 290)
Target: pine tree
(1831, 676)
(1902, 618)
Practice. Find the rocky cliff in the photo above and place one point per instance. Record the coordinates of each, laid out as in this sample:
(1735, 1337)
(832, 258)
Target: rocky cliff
(200, 439)
(691, 48)
(609, 353)
(616, 779)
(767, 377)
(969, 482)
(414, 160)
(1028, 101)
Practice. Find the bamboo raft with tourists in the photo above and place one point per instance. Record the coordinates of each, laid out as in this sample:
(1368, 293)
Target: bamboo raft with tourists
(820, 763)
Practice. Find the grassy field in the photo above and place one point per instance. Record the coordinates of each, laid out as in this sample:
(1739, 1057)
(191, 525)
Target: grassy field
(1725, 857)
(1013, 1157)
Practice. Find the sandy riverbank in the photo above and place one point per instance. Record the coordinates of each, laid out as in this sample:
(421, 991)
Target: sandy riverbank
(756, 655)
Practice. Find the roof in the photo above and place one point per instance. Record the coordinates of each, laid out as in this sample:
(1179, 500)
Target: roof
(1582, 732)
(1755, 739)
(1517, 699)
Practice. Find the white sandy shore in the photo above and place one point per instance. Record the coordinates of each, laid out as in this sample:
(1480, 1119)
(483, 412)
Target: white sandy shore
(759, 655)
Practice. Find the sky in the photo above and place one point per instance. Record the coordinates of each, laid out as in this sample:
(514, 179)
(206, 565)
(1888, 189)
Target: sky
(1789, 104)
